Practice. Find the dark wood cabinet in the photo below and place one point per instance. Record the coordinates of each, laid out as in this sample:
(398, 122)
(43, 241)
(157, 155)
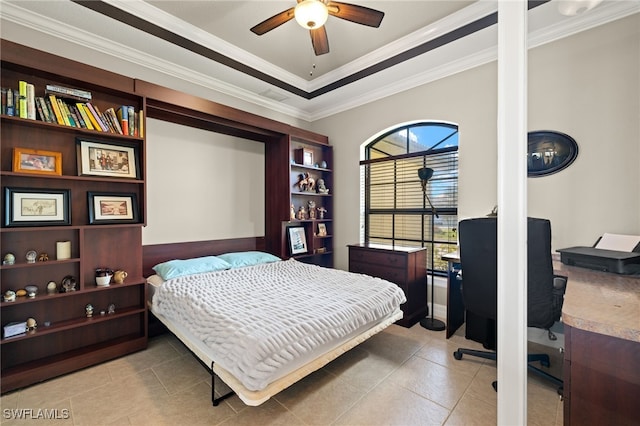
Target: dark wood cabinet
(66, 339)
(601, 378)
(404, 266)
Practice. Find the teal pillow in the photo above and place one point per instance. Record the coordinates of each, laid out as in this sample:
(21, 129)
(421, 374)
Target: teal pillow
(248, 258)
(179, 267)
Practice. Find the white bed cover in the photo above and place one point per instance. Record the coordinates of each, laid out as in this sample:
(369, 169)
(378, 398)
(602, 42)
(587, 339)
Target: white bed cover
(263, 322)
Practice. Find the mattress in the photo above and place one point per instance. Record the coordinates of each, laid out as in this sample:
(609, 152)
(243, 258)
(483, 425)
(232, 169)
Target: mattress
(264, 322)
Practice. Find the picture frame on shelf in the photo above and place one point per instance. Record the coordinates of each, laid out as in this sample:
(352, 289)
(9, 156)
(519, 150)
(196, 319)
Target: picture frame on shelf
(322, 230)
(36, 207)
(297, 240)
(112, 208)
(304, 156)
(36, 161)
(98, 158)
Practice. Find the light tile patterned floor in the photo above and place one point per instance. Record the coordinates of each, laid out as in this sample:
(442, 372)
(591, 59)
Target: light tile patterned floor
(399, 377)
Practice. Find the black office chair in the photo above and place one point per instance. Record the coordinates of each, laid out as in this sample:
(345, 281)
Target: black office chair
(545, 291)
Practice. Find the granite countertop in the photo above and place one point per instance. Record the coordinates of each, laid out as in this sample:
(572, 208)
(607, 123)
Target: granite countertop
(601, 302)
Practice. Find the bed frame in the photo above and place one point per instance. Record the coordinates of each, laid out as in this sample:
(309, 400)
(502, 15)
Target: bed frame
(154, 254)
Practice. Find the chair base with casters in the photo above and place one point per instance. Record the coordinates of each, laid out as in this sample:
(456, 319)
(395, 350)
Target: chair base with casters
(543, 358)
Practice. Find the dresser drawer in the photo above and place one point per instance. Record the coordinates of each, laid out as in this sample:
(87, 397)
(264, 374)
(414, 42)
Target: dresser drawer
(394, 260)
(395, 275)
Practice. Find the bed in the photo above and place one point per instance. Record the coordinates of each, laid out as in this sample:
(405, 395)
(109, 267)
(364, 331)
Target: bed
(260, 323)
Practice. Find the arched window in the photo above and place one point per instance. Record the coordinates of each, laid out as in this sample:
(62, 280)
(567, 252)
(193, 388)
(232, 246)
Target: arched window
(396, 211)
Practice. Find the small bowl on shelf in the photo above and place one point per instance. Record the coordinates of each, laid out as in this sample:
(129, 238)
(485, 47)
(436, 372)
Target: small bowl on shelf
(32, 290)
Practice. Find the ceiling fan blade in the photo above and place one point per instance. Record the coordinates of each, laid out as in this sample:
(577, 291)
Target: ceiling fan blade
(354, 13)
(273, 22)
(319, 40)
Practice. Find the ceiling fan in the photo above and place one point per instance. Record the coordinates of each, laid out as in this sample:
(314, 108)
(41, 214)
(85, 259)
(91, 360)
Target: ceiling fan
(312, 14)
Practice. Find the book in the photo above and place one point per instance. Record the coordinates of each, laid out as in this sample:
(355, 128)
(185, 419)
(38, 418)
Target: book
(76, 116)
(111, 113)
(11, 109)
(123, 115)
(132, 121)
(96, 115)
(64, 112)
(82, 95)
(84, 116)
(40, 110)
(52, 114)
(141, 124)
(3, 100)
(92, 118)
(22, 99)
(31, 101)
(56, 109)
(45, 109)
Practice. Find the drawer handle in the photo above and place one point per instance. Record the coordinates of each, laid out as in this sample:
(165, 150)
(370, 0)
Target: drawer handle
(392, 259)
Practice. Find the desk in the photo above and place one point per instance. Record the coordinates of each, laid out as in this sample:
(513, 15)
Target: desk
(601, 316)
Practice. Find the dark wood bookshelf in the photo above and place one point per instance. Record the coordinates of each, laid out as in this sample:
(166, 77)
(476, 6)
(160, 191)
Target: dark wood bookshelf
(71, 340)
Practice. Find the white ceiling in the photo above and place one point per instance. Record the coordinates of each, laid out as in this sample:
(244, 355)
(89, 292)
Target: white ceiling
(279, 70)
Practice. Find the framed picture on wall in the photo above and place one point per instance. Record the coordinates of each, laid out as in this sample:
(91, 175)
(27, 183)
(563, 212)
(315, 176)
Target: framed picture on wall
(37, 161)
(297, 240)
(36, 207)
(97, 158)
(105, 208)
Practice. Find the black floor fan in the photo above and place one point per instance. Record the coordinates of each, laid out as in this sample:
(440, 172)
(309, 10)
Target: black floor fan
(430, 323)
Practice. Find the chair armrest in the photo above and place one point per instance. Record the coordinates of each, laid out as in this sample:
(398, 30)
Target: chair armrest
(559, 282)
(559, 287)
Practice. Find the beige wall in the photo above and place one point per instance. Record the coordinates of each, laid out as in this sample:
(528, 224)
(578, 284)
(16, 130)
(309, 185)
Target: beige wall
(587, 86)
(202, 185)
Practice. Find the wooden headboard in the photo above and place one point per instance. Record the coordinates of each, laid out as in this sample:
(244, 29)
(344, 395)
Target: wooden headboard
(156, 253)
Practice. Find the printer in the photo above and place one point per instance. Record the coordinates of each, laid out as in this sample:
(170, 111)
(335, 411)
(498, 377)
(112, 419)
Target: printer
(619, 254)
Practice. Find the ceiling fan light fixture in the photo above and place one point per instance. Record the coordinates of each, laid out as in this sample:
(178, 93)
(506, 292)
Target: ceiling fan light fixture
(311, 14)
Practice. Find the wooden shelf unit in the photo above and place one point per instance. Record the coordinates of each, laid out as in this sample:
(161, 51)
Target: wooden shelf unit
(66, 340)
(320, 248)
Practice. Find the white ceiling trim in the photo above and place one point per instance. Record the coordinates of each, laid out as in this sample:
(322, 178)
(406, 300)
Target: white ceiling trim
(585, 21)
(169, 22)
(333, 102)
(79, 37)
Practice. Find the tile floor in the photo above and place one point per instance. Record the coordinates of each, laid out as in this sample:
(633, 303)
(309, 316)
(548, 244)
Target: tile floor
(398, 377)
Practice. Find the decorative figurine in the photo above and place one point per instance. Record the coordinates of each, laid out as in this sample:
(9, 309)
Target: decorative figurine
(68, 284)
(21, 292)
(31, 324)
(43, 257)
(306, 183)
(321, 188)
(111, 308)
(9, 259)
(302, 214)
(119, 276)
(52, 287)
(89, 310)
(323, 164)
(321, 212)
(10, 296)
(312, 209)
(31, 256)
(32, 290)
(292, 214)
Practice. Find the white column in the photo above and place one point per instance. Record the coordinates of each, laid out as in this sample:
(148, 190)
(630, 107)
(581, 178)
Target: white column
(512, 212)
